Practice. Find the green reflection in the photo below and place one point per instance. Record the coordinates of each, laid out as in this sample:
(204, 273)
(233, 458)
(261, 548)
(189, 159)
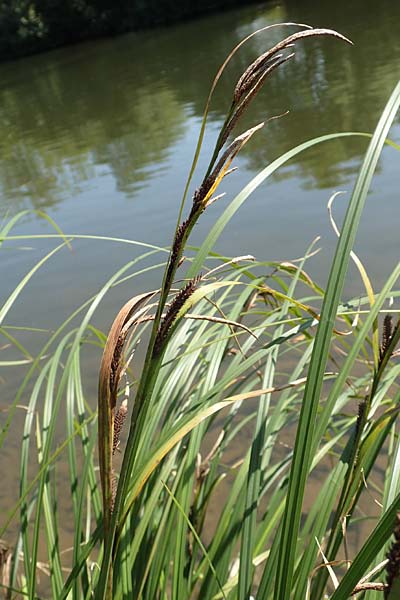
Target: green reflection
(65, 113)
(120, 106)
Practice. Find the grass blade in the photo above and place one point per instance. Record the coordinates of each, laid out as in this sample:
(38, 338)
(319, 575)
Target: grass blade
(368, 552)
(305, 431)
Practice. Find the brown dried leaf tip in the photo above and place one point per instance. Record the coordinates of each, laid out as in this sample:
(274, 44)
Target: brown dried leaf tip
(113, 366)
(393, 566)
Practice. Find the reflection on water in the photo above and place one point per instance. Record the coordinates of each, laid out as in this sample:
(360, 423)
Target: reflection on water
(120, 106)
(62, 119)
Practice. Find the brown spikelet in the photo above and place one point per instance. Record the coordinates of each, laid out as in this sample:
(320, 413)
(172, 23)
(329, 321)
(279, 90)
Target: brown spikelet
(198, 197)
(264, 61)
(387, 333)
(178, 241)
(393, 566)
(114, 486)
(222, 166)
(176, 305)
(362, 406)
(177, 249)
(390, 337)
(116, 363)
(256, 73)
(360, 423)
(395, 333)
(119, 421)
(252, 86)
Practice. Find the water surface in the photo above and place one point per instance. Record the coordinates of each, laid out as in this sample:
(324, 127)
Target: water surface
(101, 137)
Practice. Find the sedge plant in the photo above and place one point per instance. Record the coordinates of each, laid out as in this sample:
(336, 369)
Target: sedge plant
(241, 345)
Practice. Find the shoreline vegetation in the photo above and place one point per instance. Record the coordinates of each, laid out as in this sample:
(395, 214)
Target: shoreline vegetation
(228, 343)
(30, 27)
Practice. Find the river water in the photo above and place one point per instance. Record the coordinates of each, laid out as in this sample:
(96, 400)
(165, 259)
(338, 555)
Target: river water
(101, 137)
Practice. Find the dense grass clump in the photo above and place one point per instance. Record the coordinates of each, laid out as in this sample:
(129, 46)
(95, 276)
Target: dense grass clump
(167, 506)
